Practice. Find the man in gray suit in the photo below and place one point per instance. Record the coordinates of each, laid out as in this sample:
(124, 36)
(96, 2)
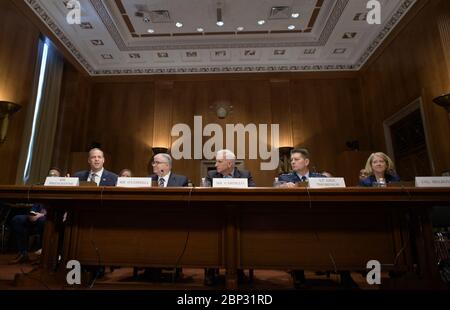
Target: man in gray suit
(163, 175)
(225, 168)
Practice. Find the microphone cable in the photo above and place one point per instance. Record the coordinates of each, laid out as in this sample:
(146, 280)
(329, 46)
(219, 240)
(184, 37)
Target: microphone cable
(408, 220)
(330, 255)
(187, 235)
(94, 245)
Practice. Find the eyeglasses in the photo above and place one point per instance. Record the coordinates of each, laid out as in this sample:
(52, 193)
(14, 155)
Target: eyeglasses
(154, 163)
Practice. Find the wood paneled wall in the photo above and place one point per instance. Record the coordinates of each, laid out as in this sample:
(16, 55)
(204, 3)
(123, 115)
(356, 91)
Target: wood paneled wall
(72, 128)
(18, 52)
(319, 111)
(415, 64)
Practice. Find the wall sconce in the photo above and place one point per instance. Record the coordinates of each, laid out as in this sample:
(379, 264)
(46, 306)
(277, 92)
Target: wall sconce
(443, 101)
(7, 109)
(219, 21)
(285, 159)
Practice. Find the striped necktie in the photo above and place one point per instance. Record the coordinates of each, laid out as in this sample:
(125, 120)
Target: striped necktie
(93, 175)
(161, 182)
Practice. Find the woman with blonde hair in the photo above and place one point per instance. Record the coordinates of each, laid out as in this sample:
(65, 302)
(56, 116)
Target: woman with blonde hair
(379, 167)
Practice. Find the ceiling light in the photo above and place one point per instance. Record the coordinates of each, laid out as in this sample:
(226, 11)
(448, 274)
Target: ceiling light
(179, 25)
(240, 28)
(261, 22)
(150, 30)
(295, 15)
(200, 29)
(219, 17)
(291, 27)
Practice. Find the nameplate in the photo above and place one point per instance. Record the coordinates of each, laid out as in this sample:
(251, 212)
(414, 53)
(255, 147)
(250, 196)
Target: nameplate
(230, 182)
(432, 181)
(134, 182)
(57, 181)
(326, 182)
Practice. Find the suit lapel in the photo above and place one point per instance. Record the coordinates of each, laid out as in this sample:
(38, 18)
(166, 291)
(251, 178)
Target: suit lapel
(171, 179)
(103, 178)
(236, 173)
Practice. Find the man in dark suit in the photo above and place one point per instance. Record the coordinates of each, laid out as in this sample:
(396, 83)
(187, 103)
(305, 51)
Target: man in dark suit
(97, 173)
(163, 175)
(225, 168)
(101, 177)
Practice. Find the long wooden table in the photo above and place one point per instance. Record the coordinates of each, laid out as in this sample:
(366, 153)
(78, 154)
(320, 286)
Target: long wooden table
(258, 228)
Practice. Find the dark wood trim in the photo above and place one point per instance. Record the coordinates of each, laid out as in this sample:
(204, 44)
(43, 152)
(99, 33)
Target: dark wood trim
(228, 76)
(225, 195)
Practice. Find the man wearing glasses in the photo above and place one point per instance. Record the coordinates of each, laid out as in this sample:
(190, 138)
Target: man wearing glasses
(163, 176)
(162, 166)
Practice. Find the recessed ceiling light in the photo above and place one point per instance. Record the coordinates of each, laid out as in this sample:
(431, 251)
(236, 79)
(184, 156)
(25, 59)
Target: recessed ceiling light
(240, 28)
(291, 27)
(261, 22)
(295, 15)
(220, 23)
(200, 29)
(150, 30)
(179, 25)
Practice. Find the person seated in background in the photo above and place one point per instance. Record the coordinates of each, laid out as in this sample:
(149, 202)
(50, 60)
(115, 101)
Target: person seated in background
(23, 225)
(363, 174)
(300, 169)
(163, 175)
(125, 173)
(226, 168)
(379, 168)
(97, 173)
